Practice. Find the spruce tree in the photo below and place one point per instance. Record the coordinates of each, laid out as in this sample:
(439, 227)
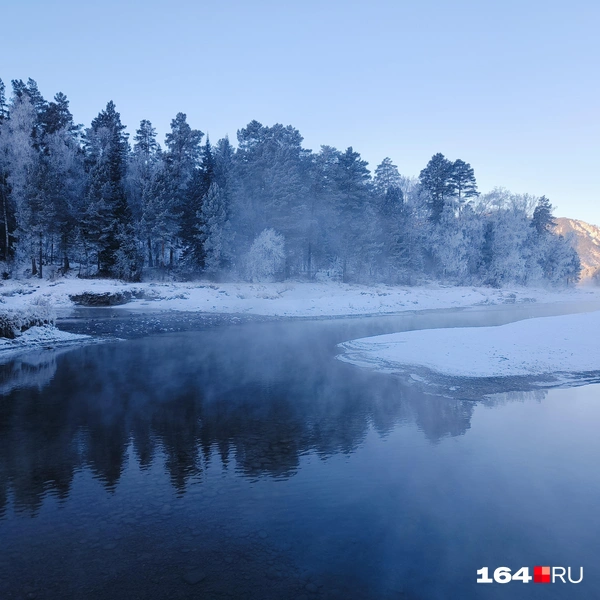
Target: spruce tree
(214, 230)
(191, 216)
(182, 158)
(145, 171)
(108, 213)
(353, 182)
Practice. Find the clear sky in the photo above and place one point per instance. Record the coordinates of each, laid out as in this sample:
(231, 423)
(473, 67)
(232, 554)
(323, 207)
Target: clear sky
(513, 87)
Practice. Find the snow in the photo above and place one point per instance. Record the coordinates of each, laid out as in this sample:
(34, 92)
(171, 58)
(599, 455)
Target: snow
(47, 336)
(539, 346)
(287, 299)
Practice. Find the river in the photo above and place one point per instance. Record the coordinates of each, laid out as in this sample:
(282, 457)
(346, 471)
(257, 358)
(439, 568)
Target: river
(242, 460)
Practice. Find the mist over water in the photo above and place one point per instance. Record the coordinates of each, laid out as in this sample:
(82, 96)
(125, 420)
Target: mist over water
(245, 461)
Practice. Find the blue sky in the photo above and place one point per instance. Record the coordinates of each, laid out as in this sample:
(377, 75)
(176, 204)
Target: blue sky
(511, 87)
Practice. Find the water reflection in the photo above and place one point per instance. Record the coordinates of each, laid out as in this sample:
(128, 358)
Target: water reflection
(259, 395)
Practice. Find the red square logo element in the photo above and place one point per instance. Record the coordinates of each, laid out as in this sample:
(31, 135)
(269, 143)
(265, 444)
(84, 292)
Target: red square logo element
(541, 574)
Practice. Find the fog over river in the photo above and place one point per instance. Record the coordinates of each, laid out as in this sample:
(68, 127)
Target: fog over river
(227, 458)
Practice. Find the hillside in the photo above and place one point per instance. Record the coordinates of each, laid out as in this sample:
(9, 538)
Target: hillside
(587, 242)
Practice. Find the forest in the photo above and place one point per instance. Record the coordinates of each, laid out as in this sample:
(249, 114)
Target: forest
(90, 201)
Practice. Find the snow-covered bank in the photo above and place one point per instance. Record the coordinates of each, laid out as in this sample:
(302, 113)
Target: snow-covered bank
(539, 346)
(46, 336)
(287, 299)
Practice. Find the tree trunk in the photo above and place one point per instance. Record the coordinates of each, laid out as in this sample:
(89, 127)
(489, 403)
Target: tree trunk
(66, 265)
(150, 253)
(41, 252)
(4, 199)
(33, 267)
(171, 257)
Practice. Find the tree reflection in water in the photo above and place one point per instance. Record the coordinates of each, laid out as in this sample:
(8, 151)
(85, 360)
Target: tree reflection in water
(260, 395)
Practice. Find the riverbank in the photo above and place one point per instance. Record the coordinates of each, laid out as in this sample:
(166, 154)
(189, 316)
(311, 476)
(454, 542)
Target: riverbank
(287, 299)
(39, 337)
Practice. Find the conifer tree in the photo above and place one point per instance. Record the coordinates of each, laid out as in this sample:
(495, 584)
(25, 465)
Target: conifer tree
(214, 230)
(543, 221)
(436, 181)
(107, 214)
(463, 180)
(3, 103)
(182, 158)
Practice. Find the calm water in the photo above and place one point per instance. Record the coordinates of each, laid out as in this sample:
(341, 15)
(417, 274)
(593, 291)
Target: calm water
(245, 461)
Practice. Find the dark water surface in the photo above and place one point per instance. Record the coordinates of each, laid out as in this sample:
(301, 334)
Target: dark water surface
(245, 461)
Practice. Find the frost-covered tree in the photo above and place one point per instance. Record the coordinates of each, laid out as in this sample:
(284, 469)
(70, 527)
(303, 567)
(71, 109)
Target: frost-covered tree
(192, 215)
(24, 177)
(63, 189)
(270, 188)
(265, 261)
(7, 211)
(107, 213)
(510, 248)
(185, 207)
(215, 230)
(223, 156)
(143, 173)
(323, 199)
(353, 182)
(559, 260)
(182, 158)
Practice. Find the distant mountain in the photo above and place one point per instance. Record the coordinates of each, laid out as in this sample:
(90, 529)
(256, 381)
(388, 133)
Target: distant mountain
(587, 242)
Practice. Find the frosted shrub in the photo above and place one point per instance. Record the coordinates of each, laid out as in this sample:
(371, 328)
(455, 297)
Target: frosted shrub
(38, 313)
(265, 261)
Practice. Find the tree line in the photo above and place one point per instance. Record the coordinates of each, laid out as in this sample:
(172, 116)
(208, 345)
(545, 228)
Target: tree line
(91, 200)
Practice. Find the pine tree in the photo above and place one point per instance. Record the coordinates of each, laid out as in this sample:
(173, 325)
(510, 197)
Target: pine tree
(543, 220)
(436, 181)
(386, 177)
(56, 116)
(3, 103)
(463, 180)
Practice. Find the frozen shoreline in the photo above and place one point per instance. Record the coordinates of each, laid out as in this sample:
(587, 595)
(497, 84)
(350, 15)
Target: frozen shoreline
(287, 299)
(280, 300)
(33, 338)
(533, 347)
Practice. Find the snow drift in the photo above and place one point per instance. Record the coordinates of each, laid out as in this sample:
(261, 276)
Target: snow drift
(539, 346)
